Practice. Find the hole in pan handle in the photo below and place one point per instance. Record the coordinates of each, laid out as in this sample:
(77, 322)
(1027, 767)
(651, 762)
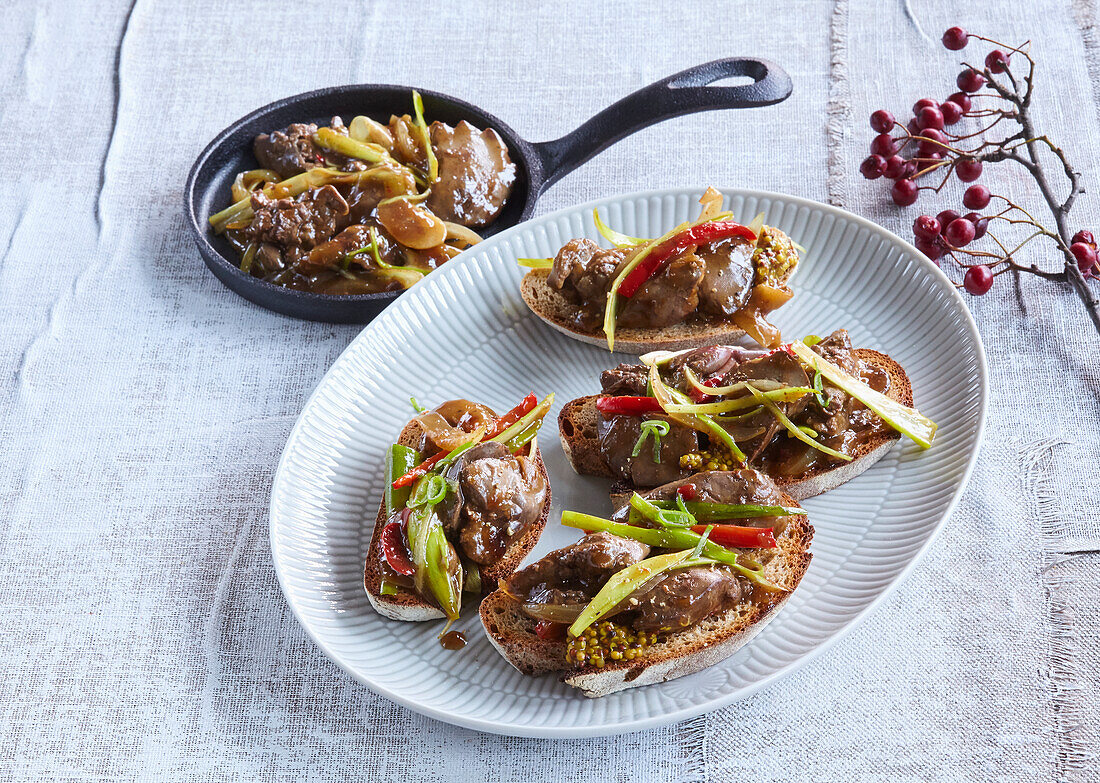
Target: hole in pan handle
(681, 93)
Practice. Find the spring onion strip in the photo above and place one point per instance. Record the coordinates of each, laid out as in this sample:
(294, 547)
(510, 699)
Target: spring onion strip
(429, 492)
(656, 429)
(904, 419)
(461, 233)
(425, 137)
(812, 340)
(788, 394)
(413, 198)
(613, 294)
(730, 417)
(763, 384)
(669, 398)
(624, 583)
(249, 256)
(670, 539)
(416, 405)
(613, 236)
(720, 512)
(536, 263)
(703, 538)
(794, 430)
(661, 358)
(663, 517)
(819, 390)
(535, 414)
(757, 225)
(345, 145)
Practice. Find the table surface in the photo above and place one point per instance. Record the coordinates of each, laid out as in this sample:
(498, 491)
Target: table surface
(143, 406)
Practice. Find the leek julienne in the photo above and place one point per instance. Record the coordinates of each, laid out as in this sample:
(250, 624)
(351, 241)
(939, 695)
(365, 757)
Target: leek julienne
(614, 237)
(623, 583)
(671, 398)
(425, 137)
(794, 429)
(905, 420)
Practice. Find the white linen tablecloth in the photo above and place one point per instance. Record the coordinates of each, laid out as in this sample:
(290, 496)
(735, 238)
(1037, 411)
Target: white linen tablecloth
(143, 406)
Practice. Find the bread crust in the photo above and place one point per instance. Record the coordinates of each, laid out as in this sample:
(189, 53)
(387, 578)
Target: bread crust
(548, 304)
(713, 640)
(577, 429)
(407, 604)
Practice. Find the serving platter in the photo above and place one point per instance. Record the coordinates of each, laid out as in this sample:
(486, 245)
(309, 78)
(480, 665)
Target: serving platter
(465, 332)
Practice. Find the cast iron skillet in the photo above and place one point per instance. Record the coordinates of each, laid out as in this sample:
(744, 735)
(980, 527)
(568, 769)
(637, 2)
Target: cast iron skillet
(538, 165)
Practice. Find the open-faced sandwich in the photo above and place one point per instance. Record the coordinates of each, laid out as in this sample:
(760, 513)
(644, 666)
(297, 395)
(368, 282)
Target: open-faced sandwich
(678, 580)
(812, 414)
(701, 283)
(466, 498)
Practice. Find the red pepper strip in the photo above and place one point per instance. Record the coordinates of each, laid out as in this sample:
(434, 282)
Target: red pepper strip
(698, 396)
(740, 537)
(688, 238)
(420, 470)
(628, 406)
(687, 491)
(512, 416)
(550, 632)
(394, 549)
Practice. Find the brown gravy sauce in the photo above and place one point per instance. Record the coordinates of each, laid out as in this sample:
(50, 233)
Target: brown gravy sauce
(452, 640)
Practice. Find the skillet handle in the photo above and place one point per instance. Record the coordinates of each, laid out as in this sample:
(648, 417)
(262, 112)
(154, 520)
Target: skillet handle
(682, 93)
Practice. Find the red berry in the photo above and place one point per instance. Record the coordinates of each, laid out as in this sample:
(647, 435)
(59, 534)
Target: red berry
(895, 164)
(882, 121)
(1083, 236)
(930, 248)
(909, 169)
(981, 224)
(926, 227)
(926, 148)
(970, 80)
(960, 232)
(951, 111)
(1085, 255)
(960, 98)
(946, 217)
(904, 192)
(955, 38)
(976, 197)
(996, 61)
(883, 145)
(914, 127)
(923, 103)
(978, 280)
(930, 117)
(968, 169)
(872, 167)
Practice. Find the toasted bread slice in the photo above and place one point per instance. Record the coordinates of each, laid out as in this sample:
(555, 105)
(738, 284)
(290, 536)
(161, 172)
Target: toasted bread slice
(577, 427)
(548, 304)
(408, 604)
(714, 639)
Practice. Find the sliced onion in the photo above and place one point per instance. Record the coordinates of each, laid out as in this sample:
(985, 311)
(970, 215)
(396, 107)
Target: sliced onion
(461, 233)
(365, 129)
(555, 613)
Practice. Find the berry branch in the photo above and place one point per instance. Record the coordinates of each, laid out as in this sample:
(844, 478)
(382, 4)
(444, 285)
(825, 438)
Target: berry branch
(987, 96)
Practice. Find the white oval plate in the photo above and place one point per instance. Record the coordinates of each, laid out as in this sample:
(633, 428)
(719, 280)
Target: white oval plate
(465, 332)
